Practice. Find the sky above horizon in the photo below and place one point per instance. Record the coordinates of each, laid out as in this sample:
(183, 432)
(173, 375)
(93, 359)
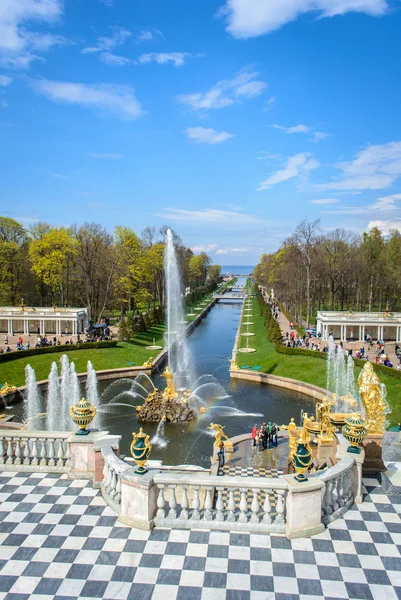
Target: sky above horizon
(228, 120)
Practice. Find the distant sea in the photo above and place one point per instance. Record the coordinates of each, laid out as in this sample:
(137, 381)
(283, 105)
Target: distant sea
(236, 269)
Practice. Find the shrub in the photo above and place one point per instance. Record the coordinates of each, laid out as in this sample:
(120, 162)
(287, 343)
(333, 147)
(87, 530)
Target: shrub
(9, 356)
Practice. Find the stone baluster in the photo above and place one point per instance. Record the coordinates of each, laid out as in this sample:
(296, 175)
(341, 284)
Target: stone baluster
(66, 447)
(10, 451)
(340, 490)
(161, 503)
(43, 453)
(113, 483)
(60, 454)
(27, 452)
(118, 491)
(17, 451)
(231, 505)
(243, 506)
(172, 513)
(184, 503)
(267, 509)
(208, 504)
(329, 498)
(255, 507)
(334, 495)
(2, 451)
(220, 505)
(348, 486)
(280, 506)
(35, 452)
(52, 453)
(196, 504)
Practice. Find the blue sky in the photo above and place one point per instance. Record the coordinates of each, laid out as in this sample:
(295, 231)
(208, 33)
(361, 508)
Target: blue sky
(229, 120)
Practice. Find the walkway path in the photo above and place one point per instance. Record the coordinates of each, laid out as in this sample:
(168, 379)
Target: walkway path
(58, 539)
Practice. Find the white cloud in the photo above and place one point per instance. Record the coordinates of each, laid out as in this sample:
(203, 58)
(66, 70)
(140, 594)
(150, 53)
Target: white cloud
(316, 136)
(106, 43)
(264, 155)
(162, 58)
(375, 167)
(110, 155)
(299, 164)
(5, 80)
(386, 226)
(201, 135)
(225, 92)
(383, 205)
(270, 103)
(324, 201)
(209, 215)
(114, 60)
(18, 43)
(207, 248)
(232, 250)
(117, 99)
(251, 18)
(147, 36)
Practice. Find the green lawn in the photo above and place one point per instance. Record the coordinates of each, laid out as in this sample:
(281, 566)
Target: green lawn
(304, 368)
(103, 358)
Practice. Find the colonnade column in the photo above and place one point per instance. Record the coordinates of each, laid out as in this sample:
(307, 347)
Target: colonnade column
(362, 336)
(398, 334)
(26, 327)
(380, 332)
(10, 327)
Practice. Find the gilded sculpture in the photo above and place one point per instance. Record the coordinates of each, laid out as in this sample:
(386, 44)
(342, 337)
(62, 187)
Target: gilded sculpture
(372, 399)
(293, 435)
(219, 434)
(7, 389)
(170, 391)
(233, 365)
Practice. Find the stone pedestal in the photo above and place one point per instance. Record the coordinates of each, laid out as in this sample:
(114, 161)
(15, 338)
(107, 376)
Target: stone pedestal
(112, 441)
(373, 446)
(326, 450)
(138, 499)
(356, 473)
(82, 455)
(303, 508)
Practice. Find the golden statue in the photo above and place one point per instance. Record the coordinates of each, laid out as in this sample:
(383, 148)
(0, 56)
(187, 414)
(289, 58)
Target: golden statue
(148, 364)
(323, 418)
(293, 435)
(219, 433)
(170, 391)
(372, 399)
(233, 365)
(7, 389)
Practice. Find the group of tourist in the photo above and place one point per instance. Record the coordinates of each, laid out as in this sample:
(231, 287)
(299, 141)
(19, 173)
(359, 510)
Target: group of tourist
(265, 435)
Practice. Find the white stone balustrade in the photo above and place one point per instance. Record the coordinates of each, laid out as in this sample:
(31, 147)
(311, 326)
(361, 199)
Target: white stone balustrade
(231, 503)
(34, 451)
(338, 491)
(111, 484)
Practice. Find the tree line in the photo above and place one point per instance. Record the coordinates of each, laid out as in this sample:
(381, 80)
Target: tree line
(86, 265)
(339, 270)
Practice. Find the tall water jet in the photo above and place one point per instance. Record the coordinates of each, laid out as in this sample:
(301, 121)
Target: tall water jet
(65, 393)
(179, 358)
(75, 388)
(92, 393)
(53, 400)
(32, 398)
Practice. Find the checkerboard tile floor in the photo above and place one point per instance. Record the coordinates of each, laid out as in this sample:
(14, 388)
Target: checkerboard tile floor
(59, 540)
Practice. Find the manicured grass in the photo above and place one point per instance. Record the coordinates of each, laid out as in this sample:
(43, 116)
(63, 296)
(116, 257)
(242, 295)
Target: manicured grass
(106, 358)
(304, 368)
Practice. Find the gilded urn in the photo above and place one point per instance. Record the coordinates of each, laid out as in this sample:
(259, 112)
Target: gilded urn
(82, 413)
(302, 459)
(355, 432)
(140, 450)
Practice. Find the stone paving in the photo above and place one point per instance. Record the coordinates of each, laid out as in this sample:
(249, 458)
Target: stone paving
(58, 539)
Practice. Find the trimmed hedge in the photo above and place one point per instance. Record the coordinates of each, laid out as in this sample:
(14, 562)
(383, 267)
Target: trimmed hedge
(8, 356)
(324, 356)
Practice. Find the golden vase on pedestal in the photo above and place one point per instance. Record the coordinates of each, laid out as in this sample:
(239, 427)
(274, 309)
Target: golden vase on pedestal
(355, 432)
(140, 450)
(82, 413)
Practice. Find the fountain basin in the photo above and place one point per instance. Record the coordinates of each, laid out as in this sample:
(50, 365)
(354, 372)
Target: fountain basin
(246, 334)
(247, 350)
(154, 347)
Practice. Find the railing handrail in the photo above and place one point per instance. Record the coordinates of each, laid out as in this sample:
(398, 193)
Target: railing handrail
(344, 465)
(196, 479)
(115, 461)
(22, 433)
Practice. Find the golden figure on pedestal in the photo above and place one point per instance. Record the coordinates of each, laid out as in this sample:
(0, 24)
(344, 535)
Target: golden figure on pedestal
(233, 365)
(170, 391)
(7, 389)
(372, 399)
(148, 364)
(293, 435)
(219, 434)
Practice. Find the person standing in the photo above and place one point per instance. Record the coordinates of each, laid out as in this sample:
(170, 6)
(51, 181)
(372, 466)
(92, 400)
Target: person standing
(254, 434)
